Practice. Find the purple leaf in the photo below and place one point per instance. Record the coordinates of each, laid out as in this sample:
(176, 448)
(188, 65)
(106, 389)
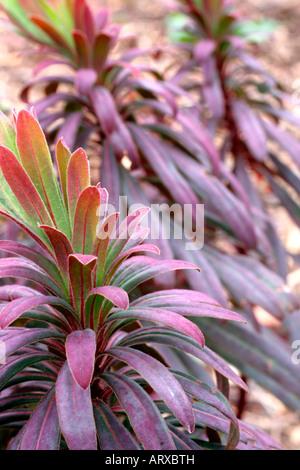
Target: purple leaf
(144, 416)
(80, 351)
(250, 126)
(16, 339)
(85, 80)
(111, 432)
(117, 296)
(16, 308)
(141, 268)
(161, 380)
(42, 432)
(163, 316)
(203, 49)
(75, 411)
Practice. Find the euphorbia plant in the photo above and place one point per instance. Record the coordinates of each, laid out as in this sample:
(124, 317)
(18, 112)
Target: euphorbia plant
(128, 110)
(243, 104)
(79, 355)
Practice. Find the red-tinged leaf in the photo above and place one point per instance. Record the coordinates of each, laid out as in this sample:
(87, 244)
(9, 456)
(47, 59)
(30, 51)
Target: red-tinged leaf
(78, 178)
(183, 343)
(78, 11)
(13, 310)
(203, 49)
(15, 291)
(208, 282)
(86, 219)
(19, 399)
(14, 443)
(7, 134)
(105, 109)
(123, 143)
(114, 294)
(181, 440)
(187, 302)
(156, 88)
(69, 130)
(124, 233)
(100, 246)
(144, 417)
(244, 283)
(15, 365)
(111, 432)
(53, 81)
(102, 18)
(284, 139)
(61, 246)
(9, 418)
(123, 256)
(20, 337)
(29, 253)
(251, 128)
(23, 188)
(261, 437)
(89, 23)
(253, 353)
(215, 399)
(161, 380)
(212, 88)
(141, 268)
(16, 267)
(201, 135)
(216, 194)
(36, 160)
(75, 411)
(80, 351)
(82, 49)
(42, 432)
(52, 33)
(85, 80)
(101, 50)
(173, 297)
(158, 159)
(30, 231)
(163, 316)
(110, 174)
(80, 274)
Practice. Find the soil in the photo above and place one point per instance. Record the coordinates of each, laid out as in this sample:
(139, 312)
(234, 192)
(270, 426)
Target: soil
(281, 57)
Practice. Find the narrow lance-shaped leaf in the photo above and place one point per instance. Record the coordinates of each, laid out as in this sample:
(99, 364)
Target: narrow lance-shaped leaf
(61, 246)
(13, 310)
(36, 159)
(141, 268)
(80, 274)
(163, 316)
(249, 124)
(78, 178)
(112, 434)
(63, 156)
(143, 415)
(42, 432)
(75, 411)
(23, 188)
(86, 220)
(161, 380)
(80, 350)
